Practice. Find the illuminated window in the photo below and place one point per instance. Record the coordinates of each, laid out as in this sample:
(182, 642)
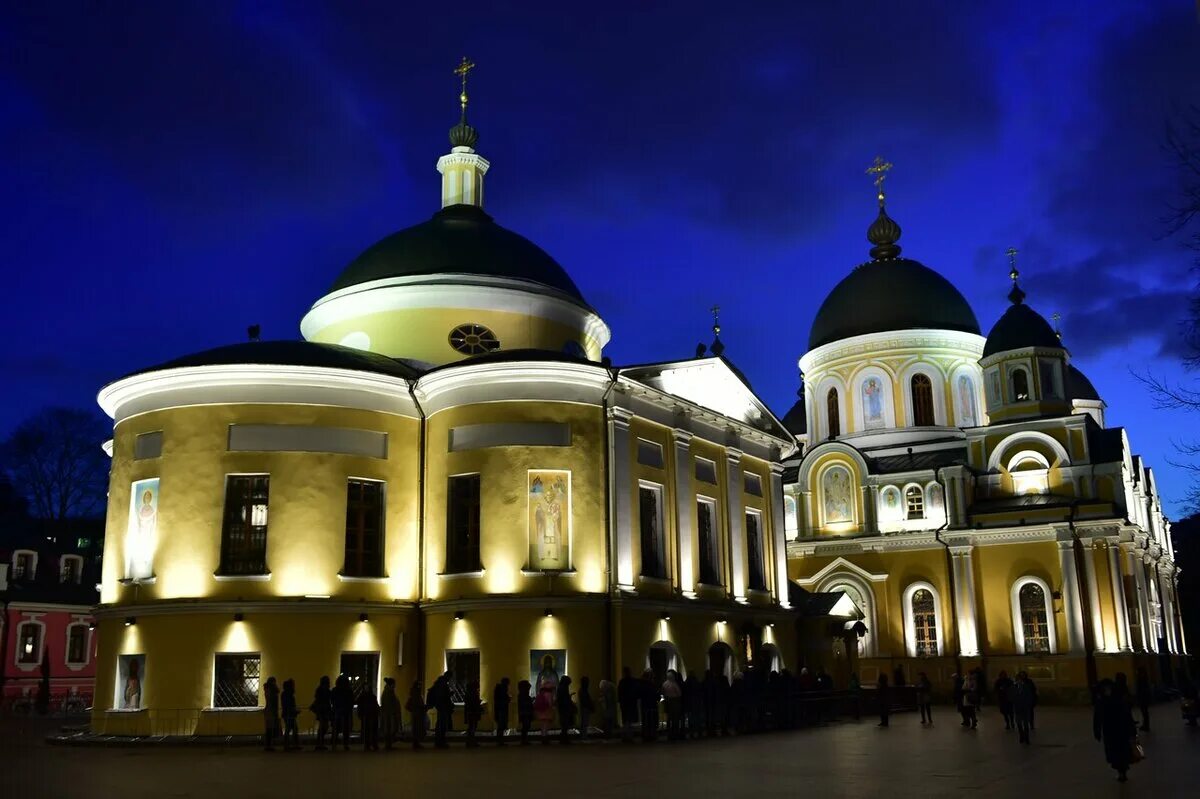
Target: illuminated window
(362, 670)
(1019, 385)
(462, 525)
(791, 522)
(922, 400)
(71, 569)
(364, 529)
(833, 413)
(473, 340)
(24, 566)
(710, 553)
(654, 560)
(755, 552)
(29, 643)
(914, 501)
(244, 533)
(924, 614)
(235, 679)
(463, 665)
(77, 639)
(1034, 620)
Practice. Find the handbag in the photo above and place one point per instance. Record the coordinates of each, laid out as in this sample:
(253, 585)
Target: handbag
(1138, 752)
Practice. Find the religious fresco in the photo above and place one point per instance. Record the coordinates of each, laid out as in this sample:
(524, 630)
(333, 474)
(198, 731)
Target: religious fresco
(891, 503)
(966, 402)
(549, 520)
(935, 501)
(546, 668)
(836, 491)
(872, 391)
(142, 530)
(131, 675)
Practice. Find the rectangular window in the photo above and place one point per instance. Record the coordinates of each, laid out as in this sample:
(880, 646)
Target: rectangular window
(755, 552)
(131, 676)
(29, 648)
(235, 679)
(462, 524)
(994, 387)
(463, 665)
(244, 533)
(752, 484)
(650, 453)
(710, 552)
(147, 445)
(77, 635)
(362, 669)
(364, 529)
(22, 566)
(706, 471)
(654, 561)
(71, 569)
(1047, 377)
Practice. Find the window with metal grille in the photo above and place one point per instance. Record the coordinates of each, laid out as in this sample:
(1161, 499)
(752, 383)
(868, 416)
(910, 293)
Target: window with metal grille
(462, 524)
(77, 635)
(22, 566)
(924, 611)
(364, 529)
(362, 669)
(914, 500)
(1032, 600)
(29, 648)
(922, 400)
(654, 563)
(833, 413)
(235, 680)
(71, 569)
(710, 552)
(244, 532)
(473, 340)
(755, 552)
(463, 665)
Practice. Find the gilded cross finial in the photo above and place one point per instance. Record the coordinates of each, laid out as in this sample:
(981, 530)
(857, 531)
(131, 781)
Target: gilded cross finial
(464, 67)
(1013, 274)
(1056, 316)
(879, 168)
(716, 314)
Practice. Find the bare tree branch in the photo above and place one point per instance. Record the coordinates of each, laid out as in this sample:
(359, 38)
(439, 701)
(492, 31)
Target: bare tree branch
(54, 459)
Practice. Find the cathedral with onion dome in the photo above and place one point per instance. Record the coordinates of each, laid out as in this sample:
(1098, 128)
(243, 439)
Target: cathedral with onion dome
(965, 493)
(445, 475)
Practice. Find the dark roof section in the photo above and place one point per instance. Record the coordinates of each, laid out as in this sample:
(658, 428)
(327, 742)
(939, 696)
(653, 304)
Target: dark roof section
(1020, 327)
(459, 239)
(1078, 386)
(812, 603)
(291, 353)
(1023, 502)
(932, 459)
(1105, 444)
(893, 294)
(796, 419)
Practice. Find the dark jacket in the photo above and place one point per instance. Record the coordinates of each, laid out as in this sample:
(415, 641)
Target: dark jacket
(287, 701)
(564, 703)
(342, 698)
(501, 700)
(628, 694)
(368, 708)
(322, 704)
(472, 703)
(524, 701)
(389, 703)
(1113, 724)
(586, 704)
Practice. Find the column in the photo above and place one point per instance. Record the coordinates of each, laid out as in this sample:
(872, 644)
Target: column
(1089, 573)
(1120, 609)
(737, 542)
(964, 598)
(779, 535)
(1183, 650)
(1139, 575)
(871, 508)
(620, 492)
(684, 502)
(1141, 642)
(1168, 611)
(1072, 604)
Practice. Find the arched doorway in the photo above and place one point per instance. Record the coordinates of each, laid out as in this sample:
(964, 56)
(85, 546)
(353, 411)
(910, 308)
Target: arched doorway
(769, 659)
(860, 594)
(720, 660)
(661, 657)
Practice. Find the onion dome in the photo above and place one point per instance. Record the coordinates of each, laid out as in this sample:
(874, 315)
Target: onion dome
(796, 419)
(462, 134)
(1079, 387)
(890, 293)
(1020, 327)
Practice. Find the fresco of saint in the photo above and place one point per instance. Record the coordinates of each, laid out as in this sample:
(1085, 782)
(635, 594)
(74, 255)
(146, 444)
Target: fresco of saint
(836, 489)
(872, 391)
(549, 506)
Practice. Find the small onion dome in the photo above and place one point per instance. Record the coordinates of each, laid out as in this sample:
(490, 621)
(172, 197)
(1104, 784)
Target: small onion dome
(1079, 387)
(796, 419)
(884, 232)
(463, 135)
(1019, 328)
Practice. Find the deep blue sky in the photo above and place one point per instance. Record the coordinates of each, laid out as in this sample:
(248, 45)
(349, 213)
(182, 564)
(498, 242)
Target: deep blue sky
(173, 172)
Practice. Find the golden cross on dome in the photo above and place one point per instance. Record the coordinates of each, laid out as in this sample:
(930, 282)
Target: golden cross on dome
(464, 67)
(879, 169)
(716, 312)
(1011, 252)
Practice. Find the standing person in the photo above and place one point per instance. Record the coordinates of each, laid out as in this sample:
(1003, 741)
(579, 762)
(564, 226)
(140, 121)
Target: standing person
(649, 702)
(1021, 703)
(1113, 725)
(566, 709)
(958, 693)
(442, 702)
(628, 695)
(389, 711)
(501, 699)
(672, 693)
(472, 711)
(416, 711)
(1003, 688)
(925, 698)
(1144, 694)
(368, 719)
(1033, 690)
(543, 708)
(270, 714)
(322, 709)
(693, 705)
(586, 707)
(884, 696)
(608, 707)
(287, 700)
(524, 709)
(898, 676)
(343, 711)
(971, 700)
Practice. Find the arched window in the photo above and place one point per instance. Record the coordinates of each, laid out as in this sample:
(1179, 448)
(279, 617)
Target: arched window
(914, 501)
(924, 616)
(922, 400)
(1019, 382)
(791, 522)
(1032, 611)
(833, 414)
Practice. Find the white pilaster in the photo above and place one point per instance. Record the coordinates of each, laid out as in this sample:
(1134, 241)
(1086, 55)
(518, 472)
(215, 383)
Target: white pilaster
(1183, 650)
(1133, 566)
(621, 493)
(1072, 604)
(1093, 588)
(684, 502)
(1168, 610)
(964, 590)
(737, 536)
(779, 536)
(1120, 608)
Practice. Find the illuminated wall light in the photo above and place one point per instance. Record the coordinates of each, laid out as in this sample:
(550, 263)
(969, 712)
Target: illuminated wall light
(92, 625)
(722, 622)
(316, 596)
(549, 612)
(238, 617)
(459, 616)
(666, 616)
(362, 617)
(130, 621)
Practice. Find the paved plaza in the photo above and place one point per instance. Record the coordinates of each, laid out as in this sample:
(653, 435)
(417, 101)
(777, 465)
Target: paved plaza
(841, 759)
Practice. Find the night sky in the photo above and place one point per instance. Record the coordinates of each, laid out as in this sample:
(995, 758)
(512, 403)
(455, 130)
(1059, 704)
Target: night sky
(173, 172)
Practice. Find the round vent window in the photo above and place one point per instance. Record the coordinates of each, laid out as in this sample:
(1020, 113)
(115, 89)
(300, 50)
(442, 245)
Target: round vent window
(473, 340)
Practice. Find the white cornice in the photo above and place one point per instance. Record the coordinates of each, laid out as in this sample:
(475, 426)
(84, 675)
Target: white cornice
(951, 342)
(544, 381)
(255, 383)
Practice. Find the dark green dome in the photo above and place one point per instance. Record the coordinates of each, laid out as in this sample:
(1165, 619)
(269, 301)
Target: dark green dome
(1079, 387)
(1019, 328)
(459, 239)
(796, 419)
(290, 353)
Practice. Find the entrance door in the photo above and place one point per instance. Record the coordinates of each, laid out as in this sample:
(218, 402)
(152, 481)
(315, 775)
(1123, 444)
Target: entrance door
(362, 668)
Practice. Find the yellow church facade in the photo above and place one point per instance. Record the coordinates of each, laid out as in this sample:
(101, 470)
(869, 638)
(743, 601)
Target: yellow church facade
(445, 475)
